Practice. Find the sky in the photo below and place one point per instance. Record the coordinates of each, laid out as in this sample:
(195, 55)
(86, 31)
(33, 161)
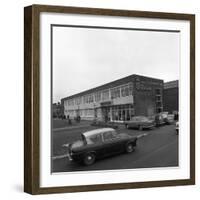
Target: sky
(84, 58)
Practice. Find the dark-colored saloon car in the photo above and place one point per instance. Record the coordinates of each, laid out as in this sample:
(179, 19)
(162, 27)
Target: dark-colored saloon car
(159, 119)
(100, 143)
(140, 122)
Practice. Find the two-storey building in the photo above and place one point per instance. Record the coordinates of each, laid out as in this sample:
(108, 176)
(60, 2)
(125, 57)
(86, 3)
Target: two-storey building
(171, 96)
(118, 100)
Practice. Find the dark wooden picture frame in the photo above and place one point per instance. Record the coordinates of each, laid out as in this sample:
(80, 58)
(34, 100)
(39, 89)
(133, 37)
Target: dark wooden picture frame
(32, 98)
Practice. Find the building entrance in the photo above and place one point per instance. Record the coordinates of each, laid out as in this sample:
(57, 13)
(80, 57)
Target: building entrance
(118, 113)
(106, 114)
(122, 112)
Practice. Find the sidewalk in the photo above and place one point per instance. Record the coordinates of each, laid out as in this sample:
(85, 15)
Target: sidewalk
(74, 125)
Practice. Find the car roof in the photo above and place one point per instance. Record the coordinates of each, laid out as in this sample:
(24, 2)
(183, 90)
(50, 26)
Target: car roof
(96, 131)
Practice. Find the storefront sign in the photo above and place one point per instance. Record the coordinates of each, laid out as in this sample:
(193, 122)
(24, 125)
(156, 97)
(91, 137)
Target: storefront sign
(107, 103)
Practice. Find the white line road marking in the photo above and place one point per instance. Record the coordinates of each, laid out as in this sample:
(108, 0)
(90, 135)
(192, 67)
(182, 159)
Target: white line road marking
(66, 145)
(142, 135)
(60, 156)
(68, 128)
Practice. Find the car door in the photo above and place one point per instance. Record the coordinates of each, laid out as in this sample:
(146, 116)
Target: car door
(97, 145)
(111, 143)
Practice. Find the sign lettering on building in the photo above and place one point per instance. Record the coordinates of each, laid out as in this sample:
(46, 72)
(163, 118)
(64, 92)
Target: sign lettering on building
(146, 85)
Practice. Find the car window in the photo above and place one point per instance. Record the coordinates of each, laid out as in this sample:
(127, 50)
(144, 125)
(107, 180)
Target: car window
(143, 119)
(134, 119)
(95, 139)
(109, 135)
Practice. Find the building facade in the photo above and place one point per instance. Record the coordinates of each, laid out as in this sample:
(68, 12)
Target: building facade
(170, 96)
(118, 100)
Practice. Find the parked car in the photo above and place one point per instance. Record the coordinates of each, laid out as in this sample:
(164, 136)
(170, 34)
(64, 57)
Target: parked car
(159, 120)
(100, 143)
(167, 118)
(177, 128)
(140, 122)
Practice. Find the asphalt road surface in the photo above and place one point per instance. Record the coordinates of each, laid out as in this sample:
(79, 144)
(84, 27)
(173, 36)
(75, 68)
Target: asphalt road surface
(159, 148)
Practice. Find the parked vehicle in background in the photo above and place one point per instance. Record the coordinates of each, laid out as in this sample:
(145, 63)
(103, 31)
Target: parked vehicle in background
(159, 119)
(167, 118)
(140, 122)
(100, 143)
(170, 119)
(164, 114)
(177, 128)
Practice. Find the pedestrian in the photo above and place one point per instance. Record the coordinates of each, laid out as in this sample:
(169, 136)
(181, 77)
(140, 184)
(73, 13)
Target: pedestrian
(69, 120)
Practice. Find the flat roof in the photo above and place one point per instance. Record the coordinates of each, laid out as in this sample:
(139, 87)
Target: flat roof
(97, 131)
(171, 84)
(110, 84)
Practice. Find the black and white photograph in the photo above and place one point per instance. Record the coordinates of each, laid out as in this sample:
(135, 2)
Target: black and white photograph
(109, 99)
(114, 98)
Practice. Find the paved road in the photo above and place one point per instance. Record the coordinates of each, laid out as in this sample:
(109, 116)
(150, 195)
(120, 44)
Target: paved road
(158, 149)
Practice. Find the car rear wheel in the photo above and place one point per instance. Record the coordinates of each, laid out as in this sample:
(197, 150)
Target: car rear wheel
(129, 148)
(89, 159)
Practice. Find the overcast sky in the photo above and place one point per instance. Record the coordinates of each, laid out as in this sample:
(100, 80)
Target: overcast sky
(84, 58)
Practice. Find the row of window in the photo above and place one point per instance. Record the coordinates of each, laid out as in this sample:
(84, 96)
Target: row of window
(85, 112)
(117, 92)
(117, 113)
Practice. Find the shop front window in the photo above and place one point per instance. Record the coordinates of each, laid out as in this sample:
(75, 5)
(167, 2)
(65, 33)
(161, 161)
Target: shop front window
(122, 113)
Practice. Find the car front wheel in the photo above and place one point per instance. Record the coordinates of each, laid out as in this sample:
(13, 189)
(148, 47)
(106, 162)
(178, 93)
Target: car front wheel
(89, 159)
(129, 148)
